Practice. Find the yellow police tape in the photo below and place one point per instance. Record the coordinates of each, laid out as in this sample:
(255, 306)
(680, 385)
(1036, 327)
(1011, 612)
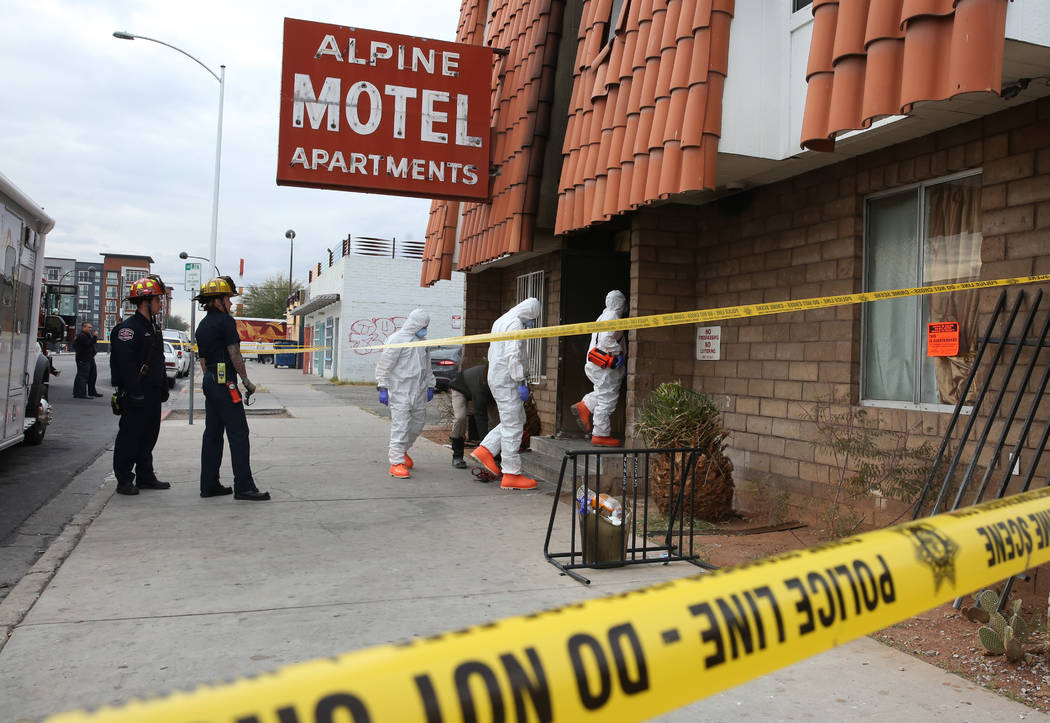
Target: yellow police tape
(631, 656)
(704, 316)
(281, 349)
(261, 349)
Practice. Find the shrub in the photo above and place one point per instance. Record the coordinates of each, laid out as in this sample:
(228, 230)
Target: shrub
(676, 417)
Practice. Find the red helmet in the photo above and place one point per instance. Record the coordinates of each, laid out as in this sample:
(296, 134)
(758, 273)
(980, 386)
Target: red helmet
(146, 288)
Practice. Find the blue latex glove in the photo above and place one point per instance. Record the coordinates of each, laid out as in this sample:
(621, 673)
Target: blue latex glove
(384, 396)
(430, 393)
(618, 361)
(523, 391)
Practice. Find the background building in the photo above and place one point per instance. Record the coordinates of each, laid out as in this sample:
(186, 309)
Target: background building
(119, 272)
(361, 296)
(89, 295)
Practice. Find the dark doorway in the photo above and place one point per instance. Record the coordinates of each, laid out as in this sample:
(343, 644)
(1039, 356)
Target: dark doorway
(587, 276)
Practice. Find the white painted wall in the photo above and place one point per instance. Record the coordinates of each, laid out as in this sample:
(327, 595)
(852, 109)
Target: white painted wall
(765, 90)
(1028, 21)
(376, 296)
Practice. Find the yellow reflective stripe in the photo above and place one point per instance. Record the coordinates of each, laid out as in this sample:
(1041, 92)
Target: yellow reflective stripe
(632, 656)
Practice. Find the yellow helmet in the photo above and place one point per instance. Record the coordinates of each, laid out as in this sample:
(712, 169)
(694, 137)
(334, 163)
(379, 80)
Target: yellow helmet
(216, 288)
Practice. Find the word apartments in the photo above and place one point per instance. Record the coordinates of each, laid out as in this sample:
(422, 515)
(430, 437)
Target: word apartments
(373, 164)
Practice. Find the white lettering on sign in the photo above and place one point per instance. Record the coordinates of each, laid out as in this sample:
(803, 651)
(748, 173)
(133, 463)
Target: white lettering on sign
(374, 165)
(353, 110)
(411, 58)
(307, 103)
(708, 343)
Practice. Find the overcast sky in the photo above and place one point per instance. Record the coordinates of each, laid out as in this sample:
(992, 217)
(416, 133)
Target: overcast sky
(116, 138)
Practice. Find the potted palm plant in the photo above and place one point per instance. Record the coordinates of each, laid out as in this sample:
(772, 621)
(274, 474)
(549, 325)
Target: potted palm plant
(674, 416)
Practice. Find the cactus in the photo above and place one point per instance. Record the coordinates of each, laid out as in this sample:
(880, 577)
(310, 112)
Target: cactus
(1001, 635)
(988, 601)
(991, 640)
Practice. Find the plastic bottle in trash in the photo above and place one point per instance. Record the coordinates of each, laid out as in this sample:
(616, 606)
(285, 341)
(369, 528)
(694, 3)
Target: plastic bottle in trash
(606, 505)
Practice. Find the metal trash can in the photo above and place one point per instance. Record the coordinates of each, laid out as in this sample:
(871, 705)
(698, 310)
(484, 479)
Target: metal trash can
(603, 528)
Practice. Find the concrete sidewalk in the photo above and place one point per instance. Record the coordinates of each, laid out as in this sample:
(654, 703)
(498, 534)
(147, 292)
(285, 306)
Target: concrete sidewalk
(166, 590)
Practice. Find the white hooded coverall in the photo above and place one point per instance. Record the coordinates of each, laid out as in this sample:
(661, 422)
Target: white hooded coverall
(407, 375)
(602, 401)
(506, 371)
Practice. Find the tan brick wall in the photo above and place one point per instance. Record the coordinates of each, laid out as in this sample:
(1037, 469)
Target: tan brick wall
(799, 238)
(803, 237)
(663, 260)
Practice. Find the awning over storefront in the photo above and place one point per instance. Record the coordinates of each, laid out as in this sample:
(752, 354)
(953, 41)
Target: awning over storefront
(318, 302)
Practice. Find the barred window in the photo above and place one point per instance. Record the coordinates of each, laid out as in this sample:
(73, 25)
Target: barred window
(533, 285)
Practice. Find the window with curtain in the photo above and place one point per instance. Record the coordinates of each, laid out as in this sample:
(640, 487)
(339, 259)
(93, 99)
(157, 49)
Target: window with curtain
(925, 235)
(532, 285)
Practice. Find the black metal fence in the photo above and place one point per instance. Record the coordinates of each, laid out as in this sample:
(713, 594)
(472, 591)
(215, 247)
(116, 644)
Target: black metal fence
(613, 519)
(980, 462)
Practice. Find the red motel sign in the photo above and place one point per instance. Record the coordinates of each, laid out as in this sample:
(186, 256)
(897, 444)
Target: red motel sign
(363, 110)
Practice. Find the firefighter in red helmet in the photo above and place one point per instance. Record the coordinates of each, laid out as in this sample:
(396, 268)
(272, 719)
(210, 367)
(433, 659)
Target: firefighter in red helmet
(136, 363)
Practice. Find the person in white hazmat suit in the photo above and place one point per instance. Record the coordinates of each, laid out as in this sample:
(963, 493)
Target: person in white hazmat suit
(506, 377)
(605, 368)
(406, 383)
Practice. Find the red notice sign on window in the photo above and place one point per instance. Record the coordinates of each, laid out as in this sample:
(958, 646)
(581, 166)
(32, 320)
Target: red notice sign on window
(363, 110)
(942, 338)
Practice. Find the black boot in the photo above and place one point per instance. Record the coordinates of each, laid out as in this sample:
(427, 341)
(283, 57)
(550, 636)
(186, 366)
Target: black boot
(457, 452)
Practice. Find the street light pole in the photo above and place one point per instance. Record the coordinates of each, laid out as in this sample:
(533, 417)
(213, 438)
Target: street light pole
(221, 78)
(218, 159)
(290, 235)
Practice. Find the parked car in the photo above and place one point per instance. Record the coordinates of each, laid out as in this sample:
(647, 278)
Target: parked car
(180, 340)
(444, 361)
(171, 364)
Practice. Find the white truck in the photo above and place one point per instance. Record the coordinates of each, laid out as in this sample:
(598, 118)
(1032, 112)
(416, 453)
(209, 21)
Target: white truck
(24, 370)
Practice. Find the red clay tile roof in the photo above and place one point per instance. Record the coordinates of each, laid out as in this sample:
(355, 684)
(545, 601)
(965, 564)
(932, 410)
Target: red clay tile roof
(874, 58)
(522, 91)
(646, 109)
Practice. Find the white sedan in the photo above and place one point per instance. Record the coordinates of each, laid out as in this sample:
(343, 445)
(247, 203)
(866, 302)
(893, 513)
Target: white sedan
(181, 341)
(171, 364)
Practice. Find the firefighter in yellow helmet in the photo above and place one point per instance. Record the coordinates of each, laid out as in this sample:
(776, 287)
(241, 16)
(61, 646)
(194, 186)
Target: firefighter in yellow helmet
(219, 351)
(136, 364)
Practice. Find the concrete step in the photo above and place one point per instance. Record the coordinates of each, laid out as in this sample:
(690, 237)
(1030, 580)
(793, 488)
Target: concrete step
(545, 459)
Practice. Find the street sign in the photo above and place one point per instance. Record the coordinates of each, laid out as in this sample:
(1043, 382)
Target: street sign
(193, 276)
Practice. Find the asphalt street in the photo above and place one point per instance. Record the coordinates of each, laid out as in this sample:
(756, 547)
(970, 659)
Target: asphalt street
(34, 480)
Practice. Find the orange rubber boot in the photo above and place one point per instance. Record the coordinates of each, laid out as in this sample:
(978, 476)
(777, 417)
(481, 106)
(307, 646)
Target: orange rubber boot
(408, 461)
(486, 460)
(400, 471)
(583, 416)
(606, 442)
(517, 482)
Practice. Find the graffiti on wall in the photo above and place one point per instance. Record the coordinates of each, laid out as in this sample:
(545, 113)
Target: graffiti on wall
(368, 332)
